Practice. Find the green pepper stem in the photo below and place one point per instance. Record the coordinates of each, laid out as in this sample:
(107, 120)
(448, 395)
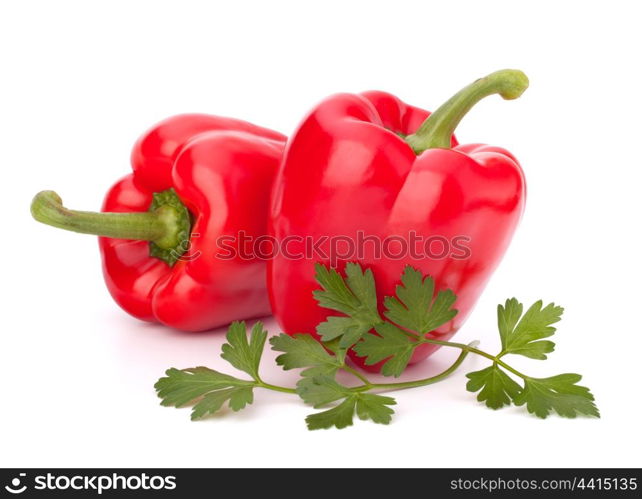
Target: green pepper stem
(166, 225)
(439, 127)
(47, 208)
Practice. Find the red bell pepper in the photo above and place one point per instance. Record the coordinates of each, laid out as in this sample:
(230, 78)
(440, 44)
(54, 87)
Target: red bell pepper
(196, 177)
(374, 165)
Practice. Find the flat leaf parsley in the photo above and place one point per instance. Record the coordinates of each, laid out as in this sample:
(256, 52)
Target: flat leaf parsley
(416, 309)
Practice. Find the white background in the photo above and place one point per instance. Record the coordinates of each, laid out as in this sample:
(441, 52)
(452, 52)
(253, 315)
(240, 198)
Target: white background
(80, 80)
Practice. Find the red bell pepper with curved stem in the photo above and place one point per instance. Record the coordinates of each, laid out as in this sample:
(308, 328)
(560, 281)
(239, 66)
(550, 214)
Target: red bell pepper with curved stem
(370, 163)
(196, 178)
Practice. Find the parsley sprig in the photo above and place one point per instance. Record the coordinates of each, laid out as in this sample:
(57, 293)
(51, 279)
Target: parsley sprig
(391, 338)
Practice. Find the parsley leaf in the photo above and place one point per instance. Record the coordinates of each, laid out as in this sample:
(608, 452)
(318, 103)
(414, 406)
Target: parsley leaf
(526, 337)
(558, 393)
(303, 350)
(412, 313)
(390, 343)
(243, 354)
(507, 317)
(237, 399)
(497, 388)
(375, 407)
(340, 416)
(355, 296)
(209, 390)
(414, 308)
(347, 329)
(367, 406)
(321, 390)
(523, 335)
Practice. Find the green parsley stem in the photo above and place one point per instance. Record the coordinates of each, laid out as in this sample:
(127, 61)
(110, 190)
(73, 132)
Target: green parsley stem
(367, 385)
(476, 351)
(416, 383)
(402, 385)
(356, 373)
(276, 388)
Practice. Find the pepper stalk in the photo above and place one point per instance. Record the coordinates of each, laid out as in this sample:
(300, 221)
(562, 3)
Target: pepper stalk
(166, 225)
(437, 130)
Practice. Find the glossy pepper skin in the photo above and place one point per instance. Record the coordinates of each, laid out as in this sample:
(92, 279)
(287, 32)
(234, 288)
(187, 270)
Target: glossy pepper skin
(350, 167)
(222, 170)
